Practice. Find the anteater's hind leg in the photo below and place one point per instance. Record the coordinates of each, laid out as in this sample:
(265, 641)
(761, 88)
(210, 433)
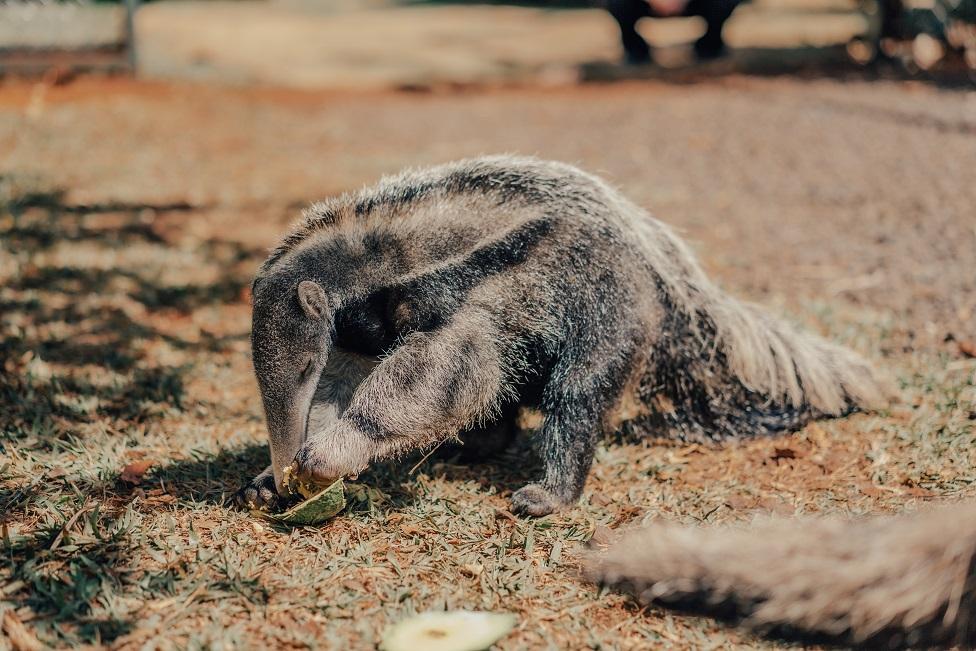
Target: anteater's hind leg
(576, 402)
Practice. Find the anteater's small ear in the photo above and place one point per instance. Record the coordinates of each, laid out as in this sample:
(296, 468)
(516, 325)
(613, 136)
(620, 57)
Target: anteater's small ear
(312, 298)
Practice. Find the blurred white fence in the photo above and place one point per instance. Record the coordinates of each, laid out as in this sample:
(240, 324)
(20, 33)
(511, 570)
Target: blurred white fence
(66, 35)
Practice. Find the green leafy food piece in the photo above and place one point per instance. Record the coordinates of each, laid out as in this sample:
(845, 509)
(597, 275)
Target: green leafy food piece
(459, 630)
(318, 508)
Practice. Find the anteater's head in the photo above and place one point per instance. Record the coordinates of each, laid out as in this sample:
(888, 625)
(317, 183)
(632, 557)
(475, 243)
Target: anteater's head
(291, 336)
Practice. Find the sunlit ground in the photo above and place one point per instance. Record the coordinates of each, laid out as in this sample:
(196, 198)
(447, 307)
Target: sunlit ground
(134, 214)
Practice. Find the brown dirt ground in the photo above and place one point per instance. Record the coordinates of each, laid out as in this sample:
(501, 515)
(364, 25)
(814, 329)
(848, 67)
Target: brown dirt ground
(135, 213)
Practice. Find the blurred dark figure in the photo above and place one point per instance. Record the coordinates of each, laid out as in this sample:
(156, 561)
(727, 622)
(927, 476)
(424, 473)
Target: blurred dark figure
(636, 49)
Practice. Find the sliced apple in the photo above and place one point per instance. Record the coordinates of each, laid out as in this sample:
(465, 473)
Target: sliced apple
(319, 507)
(458, 630)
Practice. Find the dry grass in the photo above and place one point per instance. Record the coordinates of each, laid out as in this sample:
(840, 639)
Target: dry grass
(124, 337)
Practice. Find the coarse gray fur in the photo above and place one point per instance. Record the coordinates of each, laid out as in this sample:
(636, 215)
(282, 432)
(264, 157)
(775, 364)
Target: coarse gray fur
(885, 582)
(456, 295)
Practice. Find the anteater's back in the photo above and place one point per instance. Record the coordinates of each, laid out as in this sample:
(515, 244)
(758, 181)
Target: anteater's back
(578, 258)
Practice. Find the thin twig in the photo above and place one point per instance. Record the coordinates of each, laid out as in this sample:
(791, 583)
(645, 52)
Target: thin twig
(425, 457)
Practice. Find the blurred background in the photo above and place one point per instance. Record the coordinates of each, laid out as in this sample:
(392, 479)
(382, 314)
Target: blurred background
(419, 43)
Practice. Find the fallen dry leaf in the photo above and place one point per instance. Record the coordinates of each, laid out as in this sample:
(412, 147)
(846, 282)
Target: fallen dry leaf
(134, 472)
(967, 348)
(502, 514)
(918, 491)
(161, 499)
(783, 453)
(625, 514)
(57, 473)
(473, 570)
(871, 490)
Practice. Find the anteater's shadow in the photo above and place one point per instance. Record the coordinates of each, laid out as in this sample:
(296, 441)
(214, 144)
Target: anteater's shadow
(212, 478)
(216, 478)
(504, 471)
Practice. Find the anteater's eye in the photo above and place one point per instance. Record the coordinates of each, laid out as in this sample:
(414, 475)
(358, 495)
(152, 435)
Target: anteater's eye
(308, 367)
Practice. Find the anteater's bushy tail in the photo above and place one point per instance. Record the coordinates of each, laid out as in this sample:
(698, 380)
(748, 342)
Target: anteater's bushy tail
(797, 368)
(745, 360)
(890, 581)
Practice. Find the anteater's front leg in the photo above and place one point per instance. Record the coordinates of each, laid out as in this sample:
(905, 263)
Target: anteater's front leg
(342, 374)
(430, 388)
